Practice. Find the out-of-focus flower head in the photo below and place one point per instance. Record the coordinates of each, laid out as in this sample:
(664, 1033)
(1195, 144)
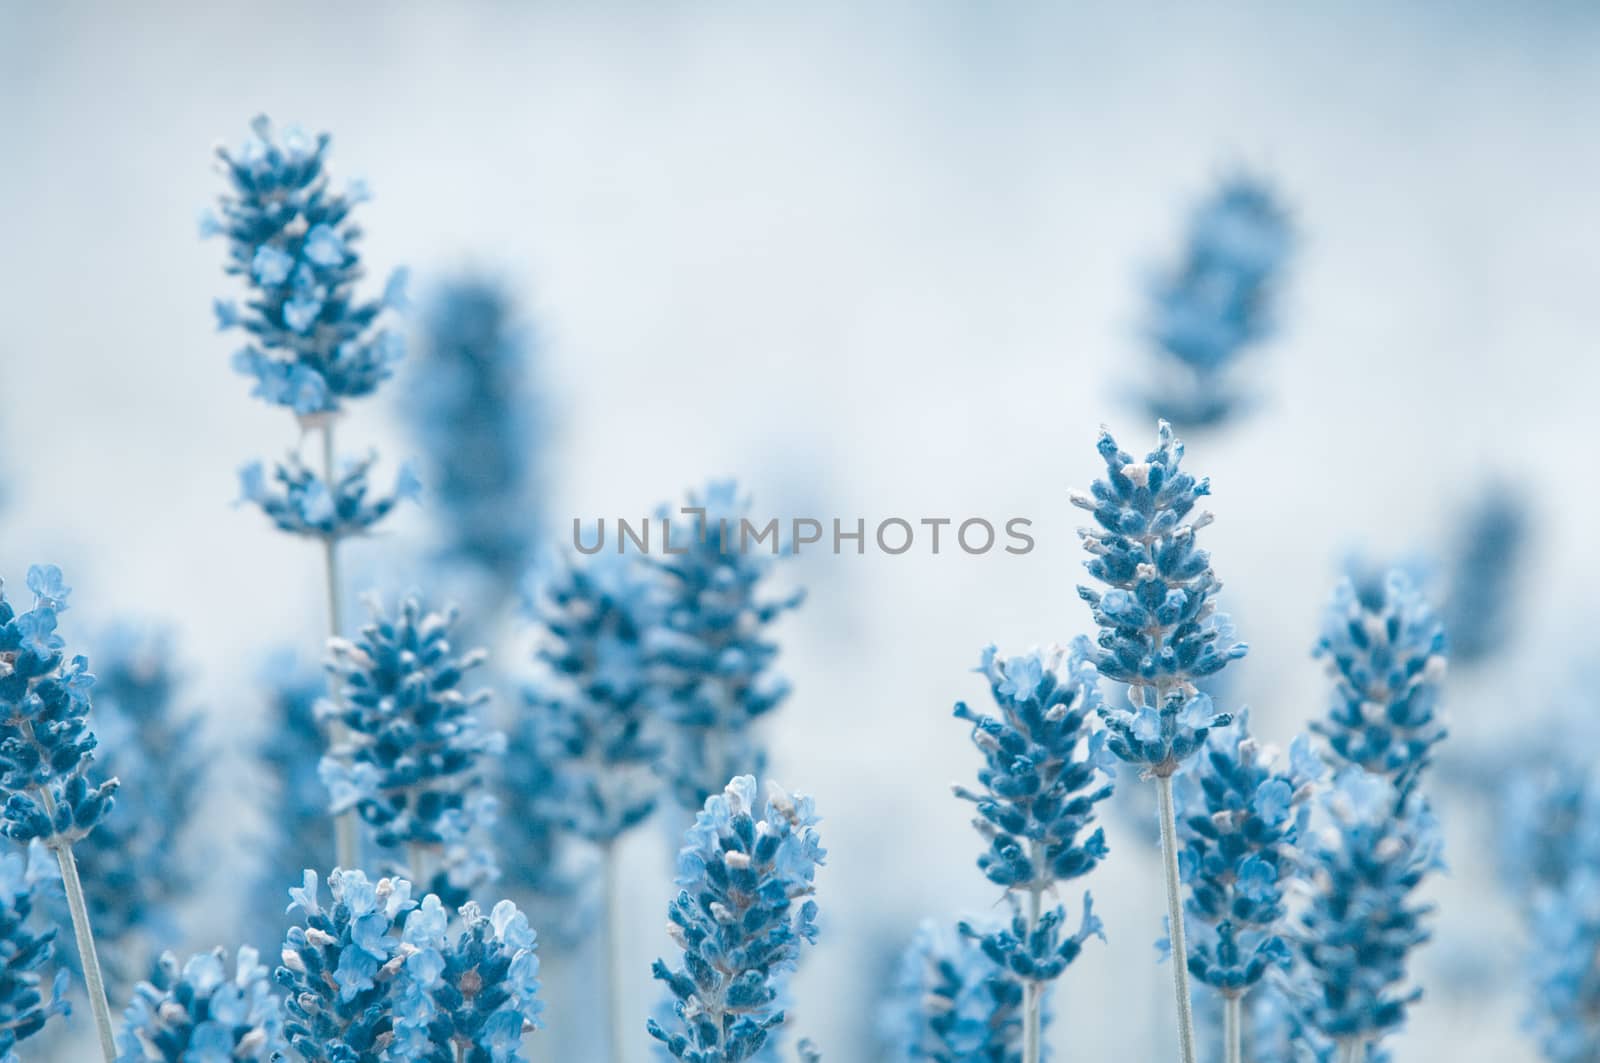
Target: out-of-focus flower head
(25, 953)
(413, 766)
(715, 639)
(951, 1003)
(197, 1012)
(743, 912)
(1387, 660)
(1564, 969)
(1160, 632)
(1491, 541)
(311, 341)
(46, 746)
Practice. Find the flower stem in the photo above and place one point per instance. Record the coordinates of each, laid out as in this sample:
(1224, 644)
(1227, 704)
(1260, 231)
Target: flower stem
(1232, 1032)
(1352, 1051)
(608, 860)
(347, 831)
(1033, 993)
(94, 980)
(1180, 948)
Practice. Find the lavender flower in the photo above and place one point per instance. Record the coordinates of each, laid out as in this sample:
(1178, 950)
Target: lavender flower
(1387, 660)
(1490, 545)
(302, 503)
(743, 913)
(413, 766)
(1565, 969)
(468, 997)
(311, 341)
(1240, 821)
(951, 1003)
(716, 641)
(196, 1012)
(470, 401)
(24, 1010)
(1217, 301)
(1364, 919)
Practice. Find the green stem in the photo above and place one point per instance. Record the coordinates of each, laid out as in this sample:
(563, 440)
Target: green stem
(1232, 1028)
(94, 980)
(1180, 947)
(614, 1034)
(347, 830)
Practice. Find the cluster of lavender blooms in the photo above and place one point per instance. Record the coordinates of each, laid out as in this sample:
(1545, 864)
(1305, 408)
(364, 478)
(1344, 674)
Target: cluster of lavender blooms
(470, 401)
(743, 912)
(24, 952)
(1216, 302)
(952, 1003)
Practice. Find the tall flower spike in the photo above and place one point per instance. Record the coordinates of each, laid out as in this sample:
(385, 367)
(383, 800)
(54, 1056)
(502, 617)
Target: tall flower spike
(1240, 823)
(471, 402)
(46, 749)
(1387, 661)
(951, 1003)
(717, 642)
(340, 966)
(197, 1012)
(1217, 301)
(741, 917)
(311, 341)
(136, 875)
(24, 1009)
(413, 767)
(469, 996)
(1364, 920)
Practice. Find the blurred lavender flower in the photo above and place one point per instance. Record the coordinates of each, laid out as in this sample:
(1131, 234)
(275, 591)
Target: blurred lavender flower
(1159, 629)
(1364, 920)
(951, 1003)
(302, 504)
(592, 705)
(24, 1010)
(716, 644)
(471, 402)
(1490, 543)
(1549, 827)
(137, 870)
(1565, 969)
(738, 922)
(412, 766)
(300, 834)
(290, 237)
(1240, 820)
(1387, 660)
(1217, 302)
(197, 1013)
(469, 998)
(340, 966)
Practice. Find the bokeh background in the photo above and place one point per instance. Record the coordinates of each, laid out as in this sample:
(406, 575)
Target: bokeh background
(874, 260)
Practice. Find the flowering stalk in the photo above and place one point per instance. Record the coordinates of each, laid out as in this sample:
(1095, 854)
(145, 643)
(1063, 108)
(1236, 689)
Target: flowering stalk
(1159, 633)
(46, 748)
(312, 344)
(24, 1009)
(951, 1003)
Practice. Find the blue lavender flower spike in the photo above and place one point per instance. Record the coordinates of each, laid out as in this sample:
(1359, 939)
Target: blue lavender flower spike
(24, 953)
(715, 640)
(743, 913)
(197, 1012)
(468, 996)
(311, 341)
(471, 401)
(1489, 551)
(1240, 819)
(301, 502)
(340, 967)
(46, 745)
(1549, 827)
(1387, 660)
(413, 767)
(1159, 629)
(135, 872)
(1564, 970)
(1364, 919)
(1217, 302)
(592, 707)
(951, 1003)
(1044, 769)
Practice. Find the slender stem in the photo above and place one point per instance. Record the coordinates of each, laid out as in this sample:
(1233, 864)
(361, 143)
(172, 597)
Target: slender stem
(614, 1033)
(1352, 1051)
(1033, 993)
(94, 980)
(461, 1052)
(347, 830)
(417, 857)
(1232, 1031)
(1180, 947)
